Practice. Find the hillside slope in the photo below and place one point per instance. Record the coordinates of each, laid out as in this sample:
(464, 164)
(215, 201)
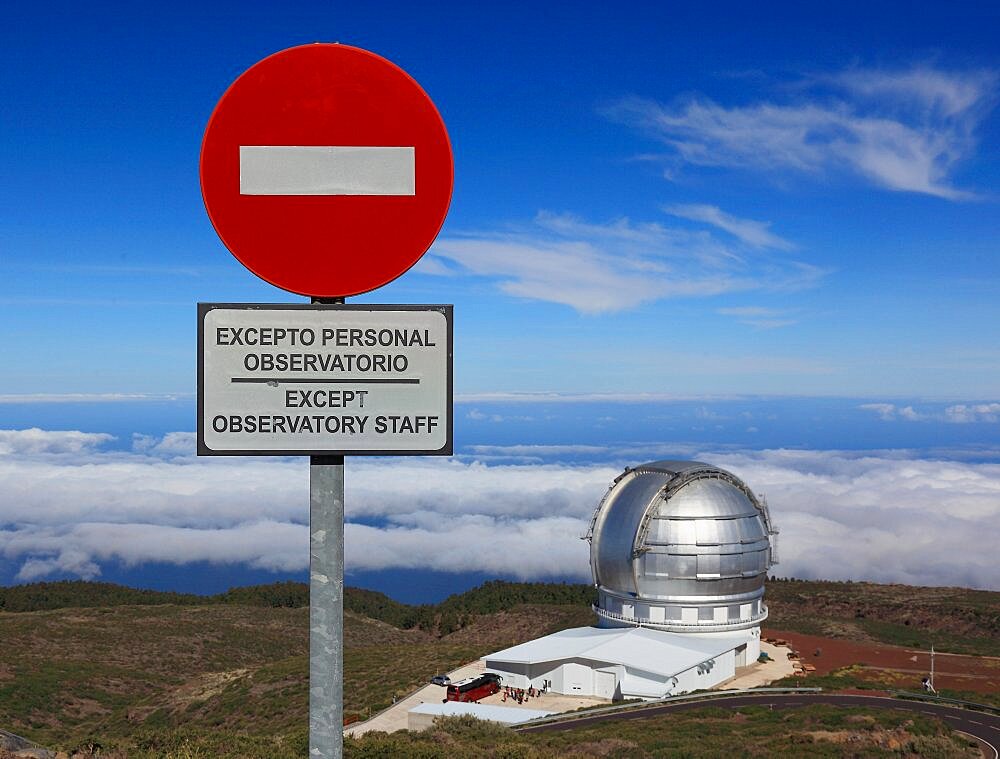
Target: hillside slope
(956, 620)
(230, 672)
(118, 673)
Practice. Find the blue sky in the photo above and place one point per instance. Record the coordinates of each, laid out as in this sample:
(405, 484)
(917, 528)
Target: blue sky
(653, 200)
(723, 216)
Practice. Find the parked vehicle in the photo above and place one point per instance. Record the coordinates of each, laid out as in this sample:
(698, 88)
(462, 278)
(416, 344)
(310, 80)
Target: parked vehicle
(440, 680)
(474, 688)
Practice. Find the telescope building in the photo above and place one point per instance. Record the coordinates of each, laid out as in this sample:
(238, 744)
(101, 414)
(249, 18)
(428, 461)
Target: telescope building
(679, 552)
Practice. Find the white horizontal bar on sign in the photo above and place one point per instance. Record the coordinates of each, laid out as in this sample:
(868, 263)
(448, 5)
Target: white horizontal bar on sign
(327, 170)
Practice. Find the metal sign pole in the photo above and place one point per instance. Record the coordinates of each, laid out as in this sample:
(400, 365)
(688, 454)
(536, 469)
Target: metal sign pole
(326, 602)
(326, 606)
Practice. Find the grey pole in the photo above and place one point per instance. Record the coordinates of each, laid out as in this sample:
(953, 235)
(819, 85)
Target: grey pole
(326, 602)
(326, 607)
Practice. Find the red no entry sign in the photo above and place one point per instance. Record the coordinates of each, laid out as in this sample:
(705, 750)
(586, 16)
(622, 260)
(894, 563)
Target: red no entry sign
(326, 170)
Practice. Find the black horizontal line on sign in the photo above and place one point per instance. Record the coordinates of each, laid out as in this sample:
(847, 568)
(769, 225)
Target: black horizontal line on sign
(316, 381)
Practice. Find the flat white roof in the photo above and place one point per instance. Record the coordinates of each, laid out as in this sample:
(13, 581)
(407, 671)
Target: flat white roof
(656, 651)
(505, 714)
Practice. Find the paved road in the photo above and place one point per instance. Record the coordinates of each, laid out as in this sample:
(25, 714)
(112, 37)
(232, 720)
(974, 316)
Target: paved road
(984, 726)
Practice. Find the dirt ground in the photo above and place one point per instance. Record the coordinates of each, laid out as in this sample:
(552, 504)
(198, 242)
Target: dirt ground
(893, 666)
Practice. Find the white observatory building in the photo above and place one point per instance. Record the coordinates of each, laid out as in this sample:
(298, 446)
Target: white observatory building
(679, 552)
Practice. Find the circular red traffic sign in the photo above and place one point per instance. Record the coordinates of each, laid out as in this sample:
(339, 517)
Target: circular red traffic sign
(326, 170)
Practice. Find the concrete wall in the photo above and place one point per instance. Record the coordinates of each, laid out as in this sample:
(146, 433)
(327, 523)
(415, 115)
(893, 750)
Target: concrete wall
(582, 677)
(753, 645)
(417, 721)
(518, 675)
(573, 677)
(706, 675)
(514, 674)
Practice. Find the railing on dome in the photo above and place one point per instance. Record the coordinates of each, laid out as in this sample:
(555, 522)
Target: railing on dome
(772, 531)
(675, 483)
(597, 511)
(683, 478)
(704, 626)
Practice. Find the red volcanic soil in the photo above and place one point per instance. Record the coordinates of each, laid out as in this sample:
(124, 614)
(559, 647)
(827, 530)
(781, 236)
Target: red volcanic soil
(894, 666)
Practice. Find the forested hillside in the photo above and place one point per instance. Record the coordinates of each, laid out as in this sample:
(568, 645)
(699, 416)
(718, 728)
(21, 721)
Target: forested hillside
(454, 612)
(956, 619)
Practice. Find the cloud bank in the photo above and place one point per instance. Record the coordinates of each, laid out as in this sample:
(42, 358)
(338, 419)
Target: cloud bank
(959, 413)
(69, 505)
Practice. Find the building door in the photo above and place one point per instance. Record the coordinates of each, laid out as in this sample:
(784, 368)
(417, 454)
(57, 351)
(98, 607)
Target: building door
(577, 680)
(604, 684)
(741, 655)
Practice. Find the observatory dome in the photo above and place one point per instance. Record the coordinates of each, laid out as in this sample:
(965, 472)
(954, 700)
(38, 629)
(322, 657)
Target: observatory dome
(681, 546)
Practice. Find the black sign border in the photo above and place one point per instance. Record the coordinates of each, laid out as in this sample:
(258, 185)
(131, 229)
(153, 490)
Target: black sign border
(204, 308)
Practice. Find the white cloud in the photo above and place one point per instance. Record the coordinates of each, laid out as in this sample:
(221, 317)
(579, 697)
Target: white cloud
(434, 266)
(524, 548)
(23, 398)
(597, 268)
(71, 561)
(921, 88)
(537, 450)
(902, 130)
(759, 317)
(886, 411)
(68, 508)
(880, 517)
(754, 233)
(76, 549)
(35, 441)
(171, 444)
(959, 413)
(554, 397)
(478, 416)
(962, 413)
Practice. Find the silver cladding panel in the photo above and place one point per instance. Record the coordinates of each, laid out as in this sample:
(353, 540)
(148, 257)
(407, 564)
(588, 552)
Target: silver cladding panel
(618, 522)
(699, 535)
(708, 499)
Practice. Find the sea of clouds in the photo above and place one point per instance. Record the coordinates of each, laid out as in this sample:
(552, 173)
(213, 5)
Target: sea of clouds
(70, 502)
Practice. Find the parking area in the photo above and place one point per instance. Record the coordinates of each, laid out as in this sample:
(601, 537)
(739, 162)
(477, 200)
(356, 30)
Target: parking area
(395, 717)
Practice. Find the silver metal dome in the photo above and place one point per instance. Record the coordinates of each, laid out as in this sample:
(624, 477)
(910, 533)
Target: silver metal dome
(683, 546)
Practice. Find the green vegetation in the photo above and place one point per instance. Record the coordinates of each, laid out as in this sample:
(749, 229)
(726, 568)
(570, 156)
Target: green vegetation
(149, 674)
(460, 610)
(289, 595)
(817, 731)
(115, 672)
(910, 636)
(956, 620)
(857, 677)
(454, 612)
(375, 605)
(953, 619)
(41, 596)
(76, 594)
(66, 672)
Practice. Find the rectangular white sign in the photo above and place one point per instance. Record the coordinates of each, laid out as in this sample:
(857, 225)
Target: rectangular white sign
(324, 379)
(327, 170)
